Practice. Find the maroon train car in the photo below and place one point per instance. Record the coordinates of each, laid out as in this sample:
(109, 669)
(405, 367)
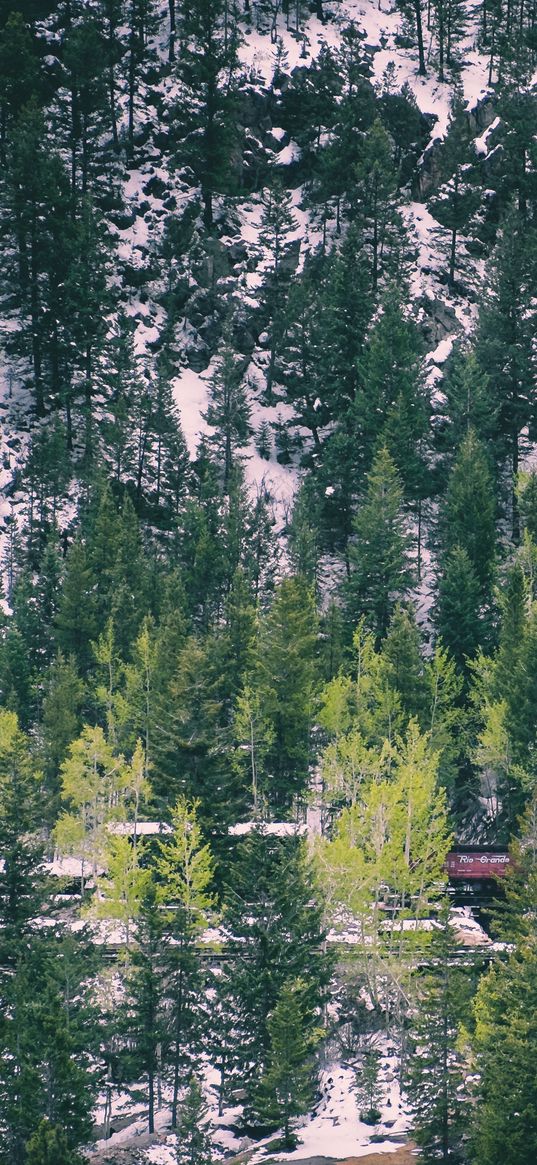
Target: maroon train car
(476, 863)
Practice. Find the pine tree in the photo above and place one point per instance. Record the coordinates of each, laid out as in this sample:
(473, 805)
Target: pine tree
(301, 355)
(393, 400)
(145, 991)
(504, 344)
(228, 414)
(504, 1128)
(19, 74)
(284, 680)
(459, 606)
(21, 875)
(42, 229)
(528, 504)
(185, 871)
(86, 85)
(48, 1041)
(436, 1074)
(344, 314)
(193, 1128)
(406, 670)
(379, 553)
(469, 403)
(369, 1094)
(76, 621)
(277, 223)
(303, 539)
(469, 510)
(273, 917)
(287, 1084)
(49, 1146)
(115, 554)
(227, 1034)
(458, 199)
(376, 181)
(187, 728)
(450, 20)
(208, 72)
(61, 716)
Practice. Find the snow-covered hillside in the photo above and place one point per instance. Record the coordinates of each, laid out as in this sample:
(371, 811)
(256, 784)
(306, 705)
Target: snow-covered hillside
(151, 186)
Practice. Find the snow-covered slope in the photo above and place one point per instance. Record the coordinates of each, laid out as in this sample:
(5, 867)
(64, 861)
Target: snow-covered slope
(152, 186)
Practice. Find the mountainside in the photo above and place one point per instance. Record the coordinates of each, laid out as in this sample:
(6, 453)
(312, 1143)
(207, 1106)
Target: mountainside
(268, 551)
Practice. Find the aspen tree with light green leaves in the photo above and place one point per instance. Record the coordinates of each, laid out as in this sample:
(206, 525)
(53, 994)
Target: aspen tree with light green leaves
(120, 892)
(99, 787)
(385, 861)
(254, 734)
(185, 871)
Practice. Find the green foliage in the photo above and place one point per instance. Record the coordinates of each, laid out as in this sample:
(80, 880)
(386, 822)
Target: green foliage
(273, 916)
(284, 679)
(47, 1035)
(21, 876)
(505, 1123)
(287, 1084)
(369, 1094)
(435, 1081)
(193, 1129)
(469, 511)
(379, 554)
(49, 1146)
(459, 607)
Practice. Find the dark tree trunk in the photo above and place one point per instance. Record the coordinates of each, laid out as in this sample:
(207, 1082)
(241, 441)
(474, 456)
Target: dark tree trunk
(419, 32)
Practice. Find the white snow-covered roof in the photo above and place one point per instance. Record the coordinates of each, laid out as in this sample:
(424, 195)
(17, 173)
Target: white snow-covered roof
(69, 867)
(272, 828)
(141, 828)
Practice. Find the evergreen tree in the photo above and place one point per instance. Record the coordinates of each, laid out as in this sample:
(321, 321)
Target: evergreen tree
(436, 1076)
(406, 669)
(86, 85)
(193, 1128)
(343, 317)
(394, 401)
(277, 223)
(76, 621)
(458, 199)
(228, 414)
(145, 987)
(459, 606)
(287, 1084)
(504, 344)
(275, 933)
(379, 553)
(47, 1037)
(368, 1091)
(376, 181)
(450, 21)
(208, 72)
(469, 511)
(19, 74)
(49, 1146)
(469, 403)
(504, 1127)
(21, 876)
(284, 681)
(528, 504)
(185, 871)
(61, 716)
